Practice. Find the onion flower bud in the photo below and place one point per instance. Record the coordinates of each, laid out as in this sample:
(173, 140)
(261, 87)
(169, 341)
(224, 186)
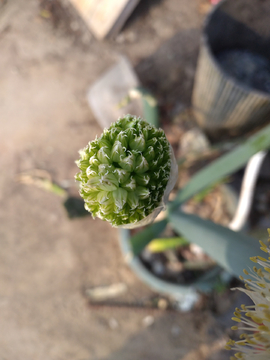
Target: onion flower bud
(126, 175)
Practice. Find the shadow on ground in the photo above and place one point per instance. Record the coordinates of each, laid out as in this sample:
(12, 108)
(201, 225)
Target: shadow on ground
(175, 337)
(169, 72)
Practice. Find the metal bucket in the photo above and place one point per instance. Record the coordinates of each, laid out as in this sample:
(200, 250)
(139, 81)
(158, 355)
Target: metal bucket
(222, 102)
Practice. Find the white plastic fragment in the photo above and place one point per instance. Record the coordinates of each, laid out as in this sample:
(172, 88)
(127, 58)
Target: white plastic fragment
(148, 321)
(113, 324)
(106, 292)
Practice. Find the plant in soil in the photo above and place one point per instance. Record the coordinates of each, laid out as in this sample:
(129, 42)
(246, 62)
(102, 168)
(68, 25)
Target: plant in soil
(125, 176)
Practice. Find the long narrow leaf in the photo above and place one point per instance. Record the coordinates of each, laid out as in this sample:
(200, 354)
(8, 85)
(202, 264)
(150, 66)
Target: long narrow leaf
(141, 239)
(150, 111)
(229, 249)
(150, 105)
(225, 165)
(159, 245)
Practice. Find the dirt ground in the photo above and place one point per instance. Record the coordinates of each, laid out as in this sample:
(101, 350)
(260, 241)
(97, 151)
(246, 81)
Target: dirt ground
(48, 261)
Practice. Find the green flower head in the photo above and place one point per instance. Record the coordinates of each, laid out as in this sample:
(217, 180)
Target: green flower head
(124, 173)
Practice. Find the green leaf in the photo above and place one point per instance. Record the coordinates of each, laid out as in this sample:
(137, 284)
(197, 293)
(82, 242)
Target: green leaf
(225, 165)
(141, 239)
(56, 189)
(163, 244)
(150, 110)
(150, 106)
(228, 248)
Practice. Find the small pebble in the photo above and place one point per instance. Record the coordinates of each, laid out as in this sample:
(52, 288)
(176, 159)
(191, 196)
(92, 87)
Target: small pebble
(113, 324)
(74, 25)
(120, 38)
(148, 321)
(86, 38)
(131, 36)
(162, 304)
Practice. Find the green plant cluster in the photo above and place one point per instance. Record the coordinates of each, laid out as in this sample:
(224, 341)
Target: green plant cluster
(124, 173)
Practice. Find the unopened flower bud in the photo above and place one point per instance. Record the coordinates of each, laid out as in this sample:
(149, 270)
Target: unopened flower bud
(121, 175)
(128, 163)
(142, 179)
(118, 151)
(141, 164)
(138, 143)
(104, 155)
(125, 173)
(142, 192)
(120, 197)
(130, 184)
